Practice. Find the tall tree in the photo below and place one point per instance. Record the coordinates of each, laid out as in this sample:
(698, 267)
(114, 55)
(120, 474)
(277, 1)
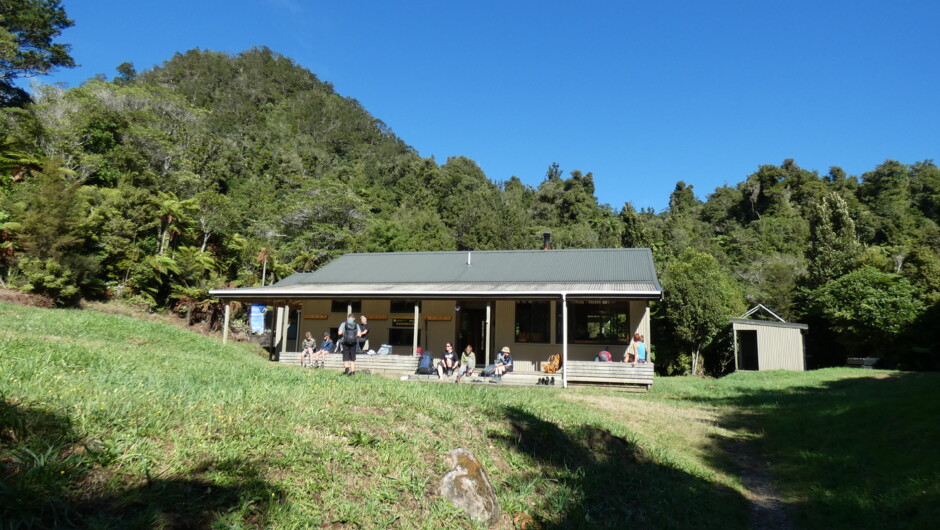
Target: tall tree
(833, 245)
(27, 31)
(700, 298)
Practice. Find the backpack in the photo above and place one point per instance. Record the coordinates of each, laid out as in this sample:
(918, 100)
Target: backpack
(426, 364)
(349, 333)
(553, 364)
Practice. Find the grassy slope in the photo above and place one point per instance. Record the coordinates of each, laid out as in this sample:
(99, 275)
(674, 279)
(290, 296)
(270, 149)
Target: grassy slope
(108, 421)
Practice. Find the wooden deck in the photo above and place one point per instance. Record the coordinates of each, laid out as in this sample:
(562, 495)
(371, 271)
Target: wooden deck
(620, 375)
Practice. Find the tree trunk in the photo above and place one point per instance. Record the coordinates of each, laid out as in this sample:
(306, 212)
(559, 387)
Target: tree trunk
(264, 271)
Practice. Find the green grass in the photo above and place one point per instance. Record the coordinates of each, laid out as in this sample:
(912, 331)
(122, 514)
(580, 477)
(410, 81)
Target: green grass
(111, 422)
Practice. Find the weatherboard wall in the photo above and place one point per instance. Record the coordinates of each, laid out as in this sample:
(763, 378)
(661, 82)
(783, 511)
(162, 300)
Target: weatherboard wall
(779, 347)
(316, 317)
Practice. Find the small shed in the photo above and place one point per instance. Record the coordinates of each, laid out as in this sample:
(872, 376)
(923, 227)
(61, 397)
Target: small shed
(768, 344)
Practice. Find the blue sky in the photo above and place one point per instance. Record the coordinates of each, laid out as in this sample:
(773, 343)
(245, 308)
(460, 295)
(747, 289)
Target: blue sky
(640, 94)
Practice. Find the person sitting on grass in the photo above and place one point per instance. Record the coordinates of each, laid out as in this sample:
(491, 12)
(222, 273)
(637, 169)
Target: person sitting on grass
(307, 355)
(468, 361)
(503, 363)
(448, 362)
(326, 346)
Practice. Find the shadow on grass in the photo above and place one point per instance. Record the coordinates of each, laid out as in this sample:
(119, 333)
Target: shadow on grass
(607, 482)
(850, 453)
(50, 478)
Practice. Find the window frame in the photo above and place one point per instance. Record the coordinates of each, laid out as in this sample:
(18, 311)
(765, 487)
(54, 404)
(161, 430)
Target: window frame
(579, 331)
(524, 336)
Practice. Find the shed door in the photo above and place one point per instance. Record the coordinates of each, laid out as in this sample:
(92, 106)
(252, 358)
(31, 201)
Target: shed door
(747, 349)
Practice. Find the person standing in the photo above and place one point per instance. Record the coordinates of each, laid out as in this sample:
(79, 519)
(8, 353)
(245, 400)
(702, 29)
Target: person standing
(641, 352)
(364, 334)
(349, 333)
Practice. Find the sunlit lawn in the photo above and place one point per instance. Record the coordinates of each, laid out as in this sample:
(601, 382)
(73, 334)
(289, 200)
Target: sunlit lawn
(108, 421)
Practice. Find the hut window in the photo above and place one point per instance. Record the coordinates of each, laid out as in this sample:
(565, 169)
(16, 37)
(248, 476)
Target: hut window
(596, 322)
(533, 321)
(404, 306)
(340, 306)
(402, 336)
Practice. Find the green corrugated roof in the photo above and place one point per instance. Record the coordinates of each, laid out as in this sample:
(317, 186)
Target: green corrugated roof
(515, 266)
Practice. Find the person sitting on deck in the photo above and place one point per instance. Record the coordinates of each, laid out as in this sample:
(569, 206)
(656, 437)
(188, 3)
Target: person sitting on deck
(603, 356)
(503, 363)
(308, 345)
(468, 361)
(629, 356)
(448, 362)
(326, 346)
(640, 351)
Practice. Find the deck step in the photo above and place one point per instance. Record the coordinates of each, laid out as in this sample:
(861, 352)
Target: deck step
(623, 375)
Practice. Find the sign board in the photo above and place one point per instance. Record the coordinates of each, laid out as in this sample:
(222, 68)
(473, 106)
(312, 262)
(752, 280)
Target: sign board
(437, 318)
(256, 317)
(403, 322)
(316, 317)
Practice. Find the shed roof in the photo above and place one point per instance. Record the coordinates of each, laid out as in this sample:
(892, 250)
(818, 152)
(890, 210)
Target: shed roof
(768, 323)
(498, 273)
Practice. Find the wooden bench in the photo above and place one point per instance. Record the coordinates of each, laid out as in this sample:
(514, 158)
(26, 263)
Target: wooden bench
(390, 364)
(592, 372)
(867, 363)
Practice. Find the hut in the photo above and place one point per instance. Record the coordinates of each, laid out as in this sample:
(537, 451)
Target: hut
(538, 302)
(768, 344)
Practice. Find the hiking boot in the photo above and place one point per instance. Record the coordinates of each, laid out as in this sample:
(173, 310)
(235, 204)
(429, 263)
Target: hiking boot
(351, 373)
(346, 371)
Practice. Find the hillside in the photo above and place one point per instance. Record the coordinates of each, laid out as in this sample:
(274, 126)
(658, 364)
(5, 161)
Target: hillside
(217, 169)
(109, 421)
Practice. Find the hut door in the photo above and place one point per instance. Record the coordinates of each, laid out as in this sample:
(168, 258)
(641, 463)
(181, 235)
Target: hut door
(747, 349)
(472, 329)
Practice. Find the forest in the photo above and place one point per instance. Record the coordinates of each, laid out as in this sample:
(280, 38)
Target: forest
(217, 169)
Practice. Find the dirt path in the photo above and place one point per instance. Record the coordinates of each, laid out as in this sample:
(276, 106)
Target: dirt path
(767, 511)
(704, 430)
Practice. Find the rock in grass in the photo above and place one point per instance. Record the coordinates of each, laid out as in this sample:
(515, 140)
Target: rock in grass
(467, 487)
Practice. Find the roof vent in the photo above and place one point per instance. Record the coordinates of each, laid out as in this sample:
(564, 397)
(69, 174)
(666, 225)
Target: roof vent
(468, 259)
(546, 240)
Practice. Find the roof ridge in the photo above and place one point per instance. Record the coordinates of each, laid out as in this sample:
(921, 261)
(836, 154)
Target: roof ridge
(506, 251)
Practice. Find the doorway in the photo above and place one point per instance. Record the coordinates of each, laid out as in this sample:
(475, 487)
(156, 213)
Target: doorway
(747, 349)
(471, 326)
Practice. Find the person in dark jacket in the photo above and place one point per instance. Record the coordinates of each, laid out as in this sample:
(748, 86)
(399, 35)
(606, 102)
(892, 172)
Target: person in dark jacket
(448, 362)
(319, 356)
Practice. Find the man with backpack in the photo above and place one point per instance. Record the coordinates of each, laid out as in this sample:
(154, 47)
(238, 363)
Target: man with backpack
(349, 333)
